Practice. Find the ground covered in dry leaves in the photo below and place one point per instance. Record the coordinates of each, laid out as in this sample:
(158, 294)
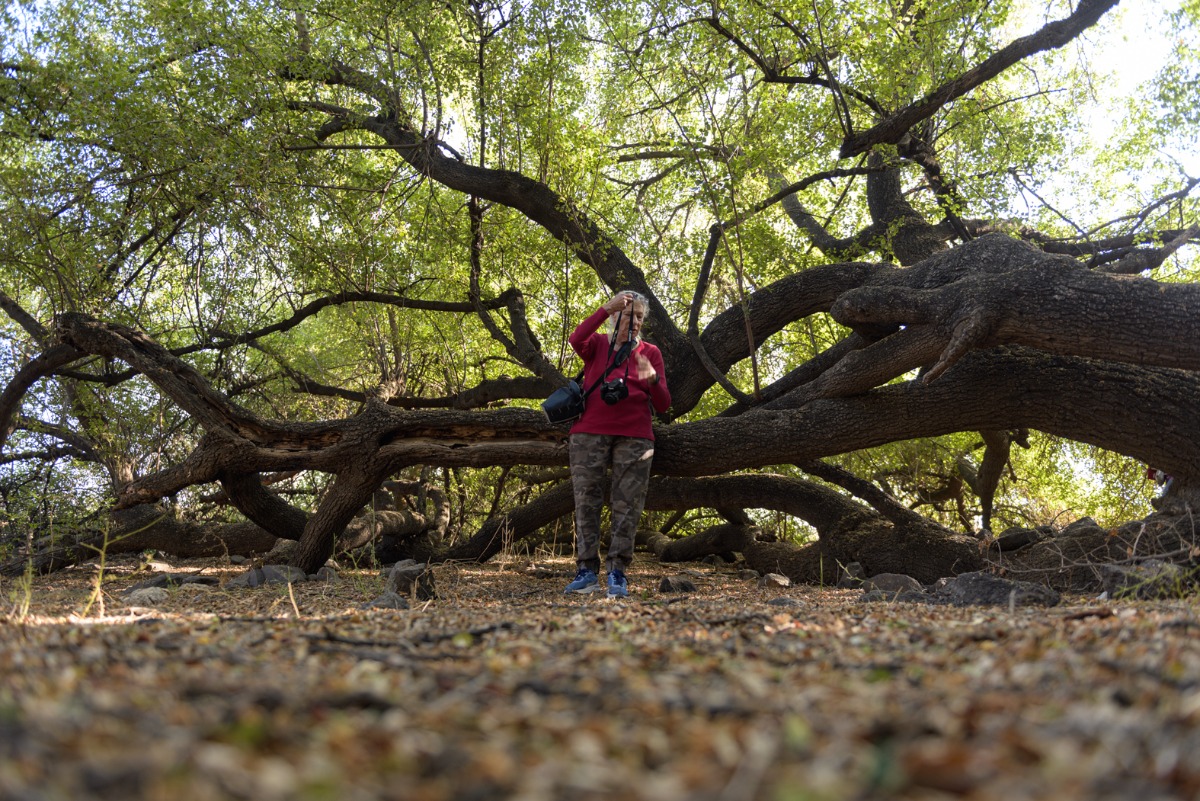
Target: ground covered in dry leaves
(504, 688)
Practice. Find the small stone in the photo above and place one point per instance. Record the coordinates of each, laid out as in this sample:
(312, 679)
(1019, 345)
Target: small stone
(148, 596)
(676, 584)
(389, 600)
(406, 575)
(774, 580)
(326, 573)
(892, 583)
(283, 574)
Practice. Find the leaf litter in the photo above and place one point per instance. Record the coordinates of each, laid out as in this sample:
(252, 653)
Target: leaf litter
(502, 687)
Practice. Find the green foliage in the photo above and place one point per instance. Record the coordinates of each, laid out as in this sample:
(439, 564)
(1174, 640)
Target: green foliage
(164, 165)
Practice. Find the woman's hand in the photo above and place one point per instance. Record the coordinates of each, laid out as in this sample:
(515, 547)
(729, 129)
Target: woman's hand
(645, 370)
(619, 303)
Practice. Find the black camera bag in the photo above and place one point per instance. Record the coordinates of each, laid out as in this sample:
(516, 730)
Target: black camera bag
(566, 403)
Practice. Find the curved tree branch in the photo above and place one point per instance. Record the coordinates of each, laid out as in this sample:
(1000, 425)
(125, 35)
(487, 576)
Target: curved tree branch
(40, 367)
(1052, 35)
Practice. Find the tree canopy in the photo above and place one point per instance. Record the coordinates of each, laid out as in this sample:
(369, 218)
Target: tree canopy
(275, 258)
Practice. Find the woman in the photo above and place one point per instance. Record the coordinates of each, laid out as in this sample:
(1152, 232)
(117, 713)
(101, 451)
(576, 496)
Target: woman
(614, 432)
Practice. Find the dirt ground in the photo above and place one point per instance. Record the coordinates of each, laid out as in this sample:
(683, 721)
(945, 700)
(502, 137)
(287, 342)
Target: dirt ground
(502, 687)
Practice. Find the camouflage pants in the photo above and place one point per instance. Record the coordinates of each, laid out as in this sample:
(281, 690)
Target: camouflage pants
(629, 458)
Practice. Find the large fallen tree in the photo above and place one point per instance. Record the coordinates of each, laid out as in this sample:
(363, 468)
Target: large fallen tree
(958, 325)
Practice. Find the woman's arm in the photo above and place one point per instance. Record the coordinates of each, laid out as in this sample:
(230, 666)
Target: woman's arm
(581, 338)
(650, 370)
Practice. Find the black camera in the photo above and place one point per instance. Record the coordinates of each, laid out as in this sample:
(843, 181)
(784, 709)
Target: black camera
(614, 391)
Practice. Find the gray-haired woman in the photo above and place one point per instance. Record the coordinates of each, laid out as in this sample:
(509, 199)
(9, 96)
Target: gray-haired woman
(614, 433)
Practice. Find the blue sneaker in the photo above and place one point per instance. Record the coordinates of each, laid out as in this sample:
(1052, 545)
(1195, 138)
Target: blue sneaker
(585, 581)
(617, 588)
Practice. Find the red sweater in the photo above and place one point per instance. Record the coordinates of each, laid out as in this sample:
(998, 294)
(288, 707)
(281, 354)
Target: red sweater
(631, 416)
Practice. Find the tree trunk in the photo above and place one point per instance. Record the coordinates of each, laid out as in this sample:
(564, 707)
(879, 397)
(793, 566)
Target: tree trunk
(716, 540)
(262, 506)
(144, 528)
(925, 553)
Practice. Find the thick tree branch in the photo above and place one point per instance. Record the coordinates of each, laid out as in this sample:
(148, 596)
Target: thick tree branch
(23, 319)
(262, 506)
(1005, 301)
(40, 367)
(222, 340)
(1146, 259)
(881, 501)
(809, 371)
(484, 393)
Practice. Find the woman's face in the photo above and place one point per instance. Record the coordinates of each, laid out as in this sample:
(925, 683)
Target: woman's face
(630, 325)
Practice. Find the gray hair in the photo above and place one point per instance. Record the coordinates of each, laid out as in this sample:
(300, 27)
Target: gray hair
(638, 297)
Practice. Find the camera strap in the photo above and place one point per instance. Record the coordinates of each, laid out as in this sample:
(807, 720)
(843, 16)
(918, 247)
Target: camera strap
(614, 361)
(615, 357)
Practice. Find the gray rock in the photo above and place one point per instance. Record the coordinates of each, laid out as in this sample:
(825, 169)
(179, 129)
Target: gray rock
(326, 573)
(784, 602)
(902, 597)
(410, 575)
(892, 584)
(281, 552)
(267, 574)
(238, 559)
(148, 596)
(851, 576)
(1149, 580)
(283, 574)
(1079, 526)
(389, 600)
(774, 580)
(251, 578)
(911, 597)
(984, 589)
(169, 580)
(1015, 538)
(676, 584)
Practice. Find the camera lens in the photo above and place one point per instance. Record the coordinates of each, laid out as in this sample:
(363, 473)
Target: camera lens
(614, 391)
